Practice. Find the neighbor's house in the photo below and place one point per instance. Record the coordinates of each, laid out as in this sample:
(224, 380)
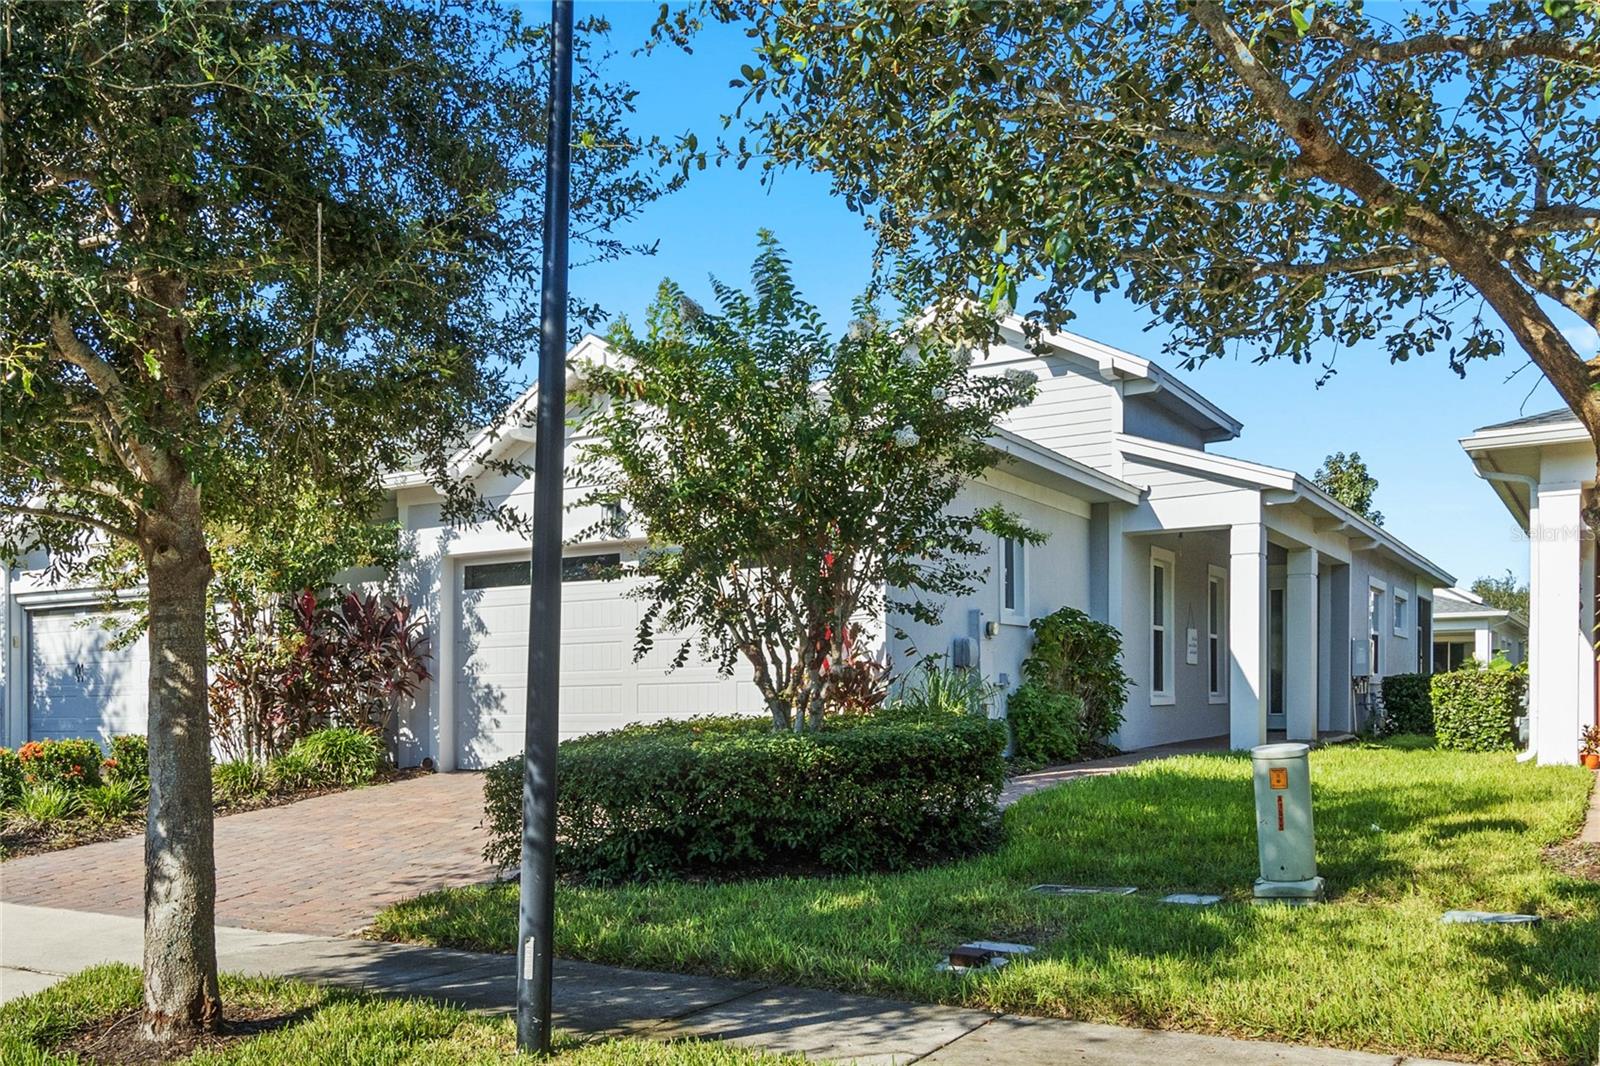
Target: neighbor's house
(1465, 627)
(1543, 468)
(1248, 599)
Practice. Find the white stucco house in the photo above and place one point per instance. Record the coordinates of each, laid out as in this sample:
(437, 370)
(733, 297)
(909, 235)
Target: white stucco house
(1465, 627)
(1248, 599)
(1543, 469)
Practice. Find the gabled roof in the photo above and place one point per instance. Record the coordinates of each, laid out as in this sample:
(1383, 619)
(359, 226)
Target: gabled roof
(1547, 418)
(1290, 486)
(1460, 604)
(1163, 388)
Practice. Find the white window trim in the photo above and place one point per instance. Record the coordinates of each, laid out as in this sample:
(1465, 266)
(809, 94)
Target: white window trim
(1165, 559)
(1375, 667)
(1219, 574)
(1399, 604)
(1018, 615)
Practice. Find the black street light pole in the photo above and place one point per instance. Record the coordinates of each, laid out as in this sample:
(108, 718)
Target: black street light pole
(536, 909)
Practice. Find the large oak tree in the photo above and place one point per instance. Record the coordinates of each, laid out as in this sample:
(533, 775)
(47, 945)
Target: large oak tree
(245, 244)
(1281, 178)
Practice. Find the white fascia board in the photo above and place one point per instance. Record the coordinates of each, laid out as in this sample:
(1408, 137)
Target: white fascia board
(1525, 436)
(1267, 477)
(1093, 484)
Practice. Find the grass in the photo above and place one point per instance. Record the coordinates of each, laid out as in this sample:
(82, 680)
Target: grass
(1405, 832)
(328, 1026)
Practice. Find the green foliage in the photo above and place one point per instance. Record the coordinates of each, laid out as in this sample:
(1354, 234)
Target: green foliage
(326, 758)
(731, 797)
(1505, 593)
(1081, 657)
(71, 762)
(129, 760)
(1476, 710)
(1404, 832)
(934, 689)
(1046, 725)
(800, 480)
(114, 800)
(1382, 177)
(239, 781)
(10, 777)
(42, 804)
(1407, 703)
(1346, 479)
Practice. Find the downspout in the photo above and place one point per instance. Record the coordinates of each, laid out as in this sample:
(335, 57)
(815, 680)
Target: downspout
(1532, 486)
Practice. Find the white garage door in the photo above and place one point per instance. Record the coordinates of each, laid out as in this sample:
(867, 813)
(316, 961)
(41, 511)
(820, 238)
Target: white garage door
(601, 686)
(79, 684)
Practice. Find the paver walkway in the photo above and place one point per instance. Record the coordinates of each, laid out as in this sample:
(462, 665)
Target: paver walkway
(322, 865)
(37, 944)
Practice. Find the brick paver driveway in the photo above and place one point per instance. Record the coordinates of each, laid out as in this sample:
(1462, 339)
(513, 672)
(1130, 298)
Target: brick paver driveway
(323, 865)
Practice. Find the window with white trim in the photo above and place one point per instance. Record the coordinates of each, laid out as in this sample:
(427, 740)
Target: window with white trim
(1216, 633)
(1161, 628)
(1013, 579)
(1375, 629)
(1401, 609)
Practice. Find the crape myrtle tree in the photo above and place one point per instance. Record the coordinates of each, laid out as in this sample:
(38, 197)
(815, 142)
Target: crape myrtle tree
(248, 244)
(1346, 479)
(790, 482)
(1282, 179)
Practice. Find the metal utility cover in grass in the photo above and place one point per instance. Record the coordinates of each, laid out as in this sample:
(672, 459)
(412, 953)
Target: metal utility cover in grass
(1192, 899)
(981, 955)
(1085, 890)
(1488, 918)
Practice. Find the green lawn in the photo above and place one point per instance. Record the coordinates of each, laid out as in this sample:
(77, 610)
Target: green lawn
(331, 1027)
(1404, 833)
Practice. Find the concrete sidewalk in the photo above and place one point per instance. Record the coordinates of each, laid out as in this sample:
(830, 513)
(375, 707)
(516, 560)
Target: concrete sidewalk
(39, 945)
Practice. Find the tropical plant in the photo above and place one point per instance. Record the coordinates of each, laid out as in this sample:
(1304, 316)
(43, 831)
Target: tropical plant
(237, 781)
(129, 760)
(1346, 479)
(1285, 179)
(10, 777)
(113, 801)
(71, 762)
(43, 804)
(1081, 657)
(934, 689)
(340, 756)
(790, 481)
(250, 245)
(355, 657)
(1589, 740)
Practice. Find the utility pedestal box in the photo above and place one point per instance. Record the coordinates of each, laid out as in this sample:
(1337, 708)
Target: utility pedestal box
(1284, 836)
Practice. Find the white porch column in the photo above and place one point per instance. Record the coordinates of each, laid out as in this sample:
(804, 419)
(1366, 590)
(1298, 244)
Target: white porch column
(1562, 662)
(1483, 643)
(1300, 646)
(1247, 635)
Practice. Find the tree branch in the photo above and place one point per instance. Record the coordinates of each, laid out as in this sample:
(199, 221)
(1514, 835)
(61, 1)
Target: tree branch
(1385, 261)
(1556, 217)
(1551, 46)
(70, 516)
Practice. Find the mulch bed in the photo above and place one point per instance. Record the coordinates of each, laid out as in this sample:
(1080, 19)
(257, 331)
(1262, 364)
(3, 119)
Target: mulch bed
(18, 840)
(1576, 859)
(117, 1041)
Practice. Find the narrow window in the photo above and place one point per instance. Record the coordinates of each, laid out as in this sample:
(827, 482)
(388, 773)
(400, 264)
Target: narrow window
(1400, 605)
(1374, 630)
(1216, 625)
(1011, 575)
(1160, 626)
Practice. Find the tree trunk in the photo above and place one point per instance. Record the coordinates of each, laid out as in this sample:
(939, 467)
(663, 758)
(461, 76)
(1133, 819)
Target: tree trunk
(180, 953)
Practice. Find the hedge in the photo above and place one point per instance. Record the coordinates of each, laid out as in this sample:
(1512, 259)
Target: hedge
(1046, 726)
(1476, 710)
(1407, 703)
(729, 796)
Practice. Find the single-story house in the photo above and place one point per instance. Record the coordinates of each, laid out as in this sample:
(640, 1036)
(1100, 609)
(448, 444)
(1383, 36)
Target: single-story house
(1543, 469)
(1248, 598)
(1465, 627)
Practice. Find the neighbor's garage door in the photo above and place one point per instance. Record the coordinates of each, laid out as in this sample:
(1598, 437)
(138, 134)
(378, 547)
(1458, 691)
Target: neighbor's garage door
(79, 683)
(601, 686)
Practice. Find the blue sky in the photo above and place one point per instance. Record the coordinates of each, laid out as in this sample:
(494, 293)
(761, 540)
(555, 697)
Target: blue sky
(1404, 419)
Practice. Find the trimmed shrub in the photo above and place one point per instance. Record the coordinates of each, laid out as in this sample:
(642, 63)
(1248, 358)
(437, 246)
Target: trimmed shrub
(730, 796)
(129, 760)
(237, 781)
(326, 758)
(1407, 704)
(72, 763)
(1081, 657)
(1046, 726)
(10, 777)
(1476, 710)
